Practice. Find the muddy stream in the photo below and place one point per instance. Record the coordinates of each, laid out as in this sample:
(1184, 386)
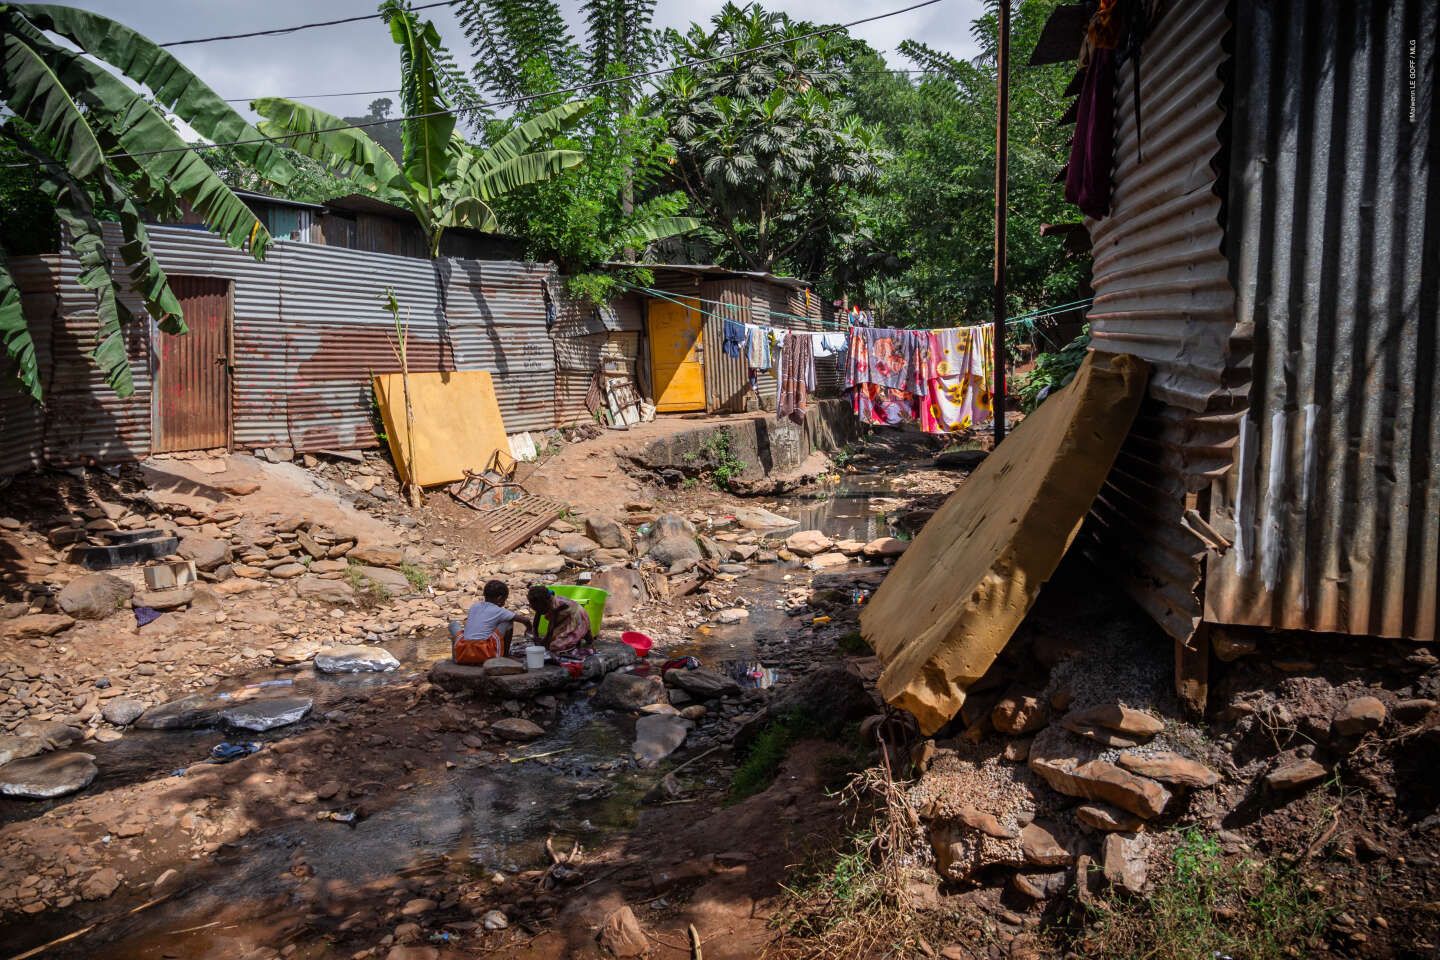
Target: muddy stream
(479, 817)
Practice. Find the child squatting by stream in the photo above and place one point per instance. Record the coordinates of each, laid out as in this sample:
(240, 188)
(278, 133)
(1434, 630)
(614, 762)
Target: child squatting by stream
(489, 628)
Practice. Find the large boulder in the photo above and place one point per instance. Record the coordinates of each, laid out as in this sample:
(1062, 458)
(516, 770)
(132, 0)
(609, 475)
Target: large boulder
(207, 552)
(672, 550)
(260, 715)
(35, 625)
(18, 748)
(830, 694)
(576, 546)
(122, 711)
(756, 518)
(1169, 767)
(628, 692)
(193, 710)
(625, 588)
(608, 532)
(355, 659)
(392, 581)
(94, 596)
(808, 543)
(48, 775)
(702, 684)
(517, 728)
(54, 734)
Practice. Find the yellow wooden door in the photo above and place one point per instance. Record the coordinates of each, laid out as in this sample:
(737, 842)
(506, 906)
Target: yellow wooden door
(675, 356)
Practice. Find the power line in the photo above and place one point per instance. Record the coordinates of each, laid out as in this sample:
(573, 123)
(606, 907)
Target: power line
(304, 26)
(593, 85)
(371, 93)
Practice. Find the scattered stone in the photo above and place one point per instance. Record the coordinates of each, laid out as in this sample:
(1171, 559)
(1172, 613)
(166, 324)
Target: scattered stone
(694, 712)
(94, 596)
(52, 734)
(608, 532)
(410, 952)
(628, 692)
(417, 907)
(833, 694)
(1040, 886)
(122, 711)
(18, 748)
(825, 561)
(47, 775)
(1041, 846)
(1409, 711)
(1359, 716)
(1130, 723)
(355, 659)
(625, 586)
(517, 728)
(885, 548)
(529, 563)
(621, 934)
(1107, 819)
(502, 667)
(287, 571)
(1019, 713)
(1125, 861)
(332, 592)
(576, 546)
(1171, 768)
(1294, 775)
(376, 555)
(494, 920)
(986, 823)
(100, 884)
(808, 543)
(392, 582)
(206, 552)
(657, 736)
(37, 625)
(731, 615)
(172, 599)
(1094, 779)
(756, 518)
(702, 684)
(268, 714)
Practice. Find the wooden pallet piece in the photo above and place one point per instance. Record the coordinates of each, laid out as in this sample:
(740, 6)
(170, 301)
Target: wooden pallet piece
(512, 525)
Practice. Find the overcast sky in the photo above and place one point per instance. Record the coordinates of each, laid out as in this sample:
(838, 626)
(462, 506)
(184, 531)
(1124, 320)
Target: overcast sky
(361, 56)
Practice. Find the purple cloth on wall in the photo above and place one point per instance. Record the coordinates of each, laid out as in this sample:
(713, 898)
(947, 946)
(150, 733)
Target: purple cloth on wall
(1087, 177)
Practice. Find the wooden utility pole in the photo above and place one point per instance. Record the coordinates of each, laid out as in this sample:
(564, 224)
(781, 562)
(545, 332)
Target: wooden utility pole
(1002, 163)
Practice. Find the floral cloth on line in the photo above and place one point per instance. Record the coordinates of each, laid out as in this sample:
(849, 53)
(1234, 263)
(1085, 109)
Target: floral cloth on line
(886, 374)
(958, 394)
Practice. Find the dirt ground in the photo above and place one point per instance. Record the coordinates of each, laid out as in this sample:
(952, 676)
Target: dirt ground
(398, 819)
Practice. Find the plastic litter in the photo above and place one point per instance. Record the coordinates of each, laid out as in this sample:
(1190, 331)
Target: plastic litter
(680, 663)
(290, 682)
(144, 615)
(225, 752)
(339, 816)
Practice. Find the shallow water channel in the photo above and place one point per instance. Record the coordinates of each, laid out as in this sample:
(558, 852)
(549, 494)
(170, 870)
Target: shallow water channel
(479, 816)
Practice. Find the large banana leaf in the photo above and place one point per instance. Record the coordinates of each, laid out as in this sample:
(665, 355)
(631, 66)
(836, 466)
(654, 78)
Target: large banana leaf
(660, 228)
(316, 134)
(522, 171)
(173, 85)
(30, 88)
(470, 212)
(151, 147)
(519, 140)
(425, 134)
(15, 334)
(147, 278)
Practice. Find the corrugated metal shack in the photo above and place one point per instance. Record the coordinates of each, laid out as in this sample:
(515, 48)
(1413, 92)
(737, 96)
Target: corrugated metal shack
(749, 297)
(1271, 250)
(306, 330)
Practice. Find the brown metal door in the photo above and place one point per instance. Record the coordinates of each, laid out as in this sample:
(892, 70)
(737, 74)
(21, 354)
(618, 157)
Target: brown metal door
(192, 376)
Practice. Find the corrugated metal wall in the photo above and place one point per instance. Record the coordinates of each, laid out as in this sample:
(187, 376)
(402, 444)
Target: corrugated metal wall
(582, 337)
(310, 329)
(1334, 243)
(1162, 293)
(22, 423)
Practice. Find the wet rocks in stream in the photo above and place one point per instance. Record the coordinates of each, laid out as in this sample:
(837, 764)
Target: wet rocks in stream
(352, 658)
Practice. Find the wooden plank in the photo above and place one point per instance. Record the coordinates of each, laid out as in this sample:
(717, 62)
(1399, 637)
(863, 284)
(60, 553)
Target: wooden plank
(511, 526)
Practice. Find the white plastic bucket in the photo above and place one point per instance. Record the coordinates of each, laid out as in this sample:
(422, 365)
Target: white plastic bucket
(534, 657)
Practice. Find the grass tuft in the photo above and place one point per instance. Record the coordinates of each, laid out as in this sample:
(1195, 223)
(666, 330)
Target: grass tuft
(418, 578)
(1209, 906)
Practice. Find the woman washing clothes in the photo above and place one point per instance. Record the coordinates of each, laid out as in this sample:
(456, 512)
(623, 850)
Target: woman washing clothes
(567, 627)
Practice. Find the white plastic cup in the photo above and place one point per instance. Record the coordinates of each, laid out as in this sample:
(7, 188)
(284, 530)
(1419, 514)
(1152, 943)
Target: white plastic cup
(534, 657)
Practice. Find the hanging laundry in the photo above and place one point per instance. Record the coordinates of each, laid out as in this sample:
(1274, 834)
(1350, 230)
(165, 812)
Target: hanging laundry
(732, 338)
(829, 344)
(894, 361)
(797, 376)
(958, 394)
(759, 354)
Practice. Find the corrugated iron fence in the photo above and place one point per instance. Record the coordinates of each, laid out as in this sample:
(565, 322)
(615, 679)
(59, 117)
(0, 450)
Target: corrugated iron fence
(310, 328)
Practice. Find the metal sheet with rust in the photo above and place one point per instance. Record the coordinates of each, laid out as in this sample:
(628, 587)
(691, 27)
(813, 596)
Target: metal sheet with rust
(192, 372)
(506, 528)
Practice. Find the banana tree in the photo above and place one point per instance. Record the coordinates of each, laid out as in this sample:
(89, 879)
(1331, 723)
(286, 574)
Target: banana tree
(90, 135)
(445, 181)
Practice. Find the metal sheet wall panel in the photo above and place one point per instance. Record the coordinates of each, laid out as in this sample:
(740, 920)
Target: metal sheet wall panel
(22, 421)
(498, 322)
(727, 379)
(1334, 238)
(192, 372)
(1162, 292)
